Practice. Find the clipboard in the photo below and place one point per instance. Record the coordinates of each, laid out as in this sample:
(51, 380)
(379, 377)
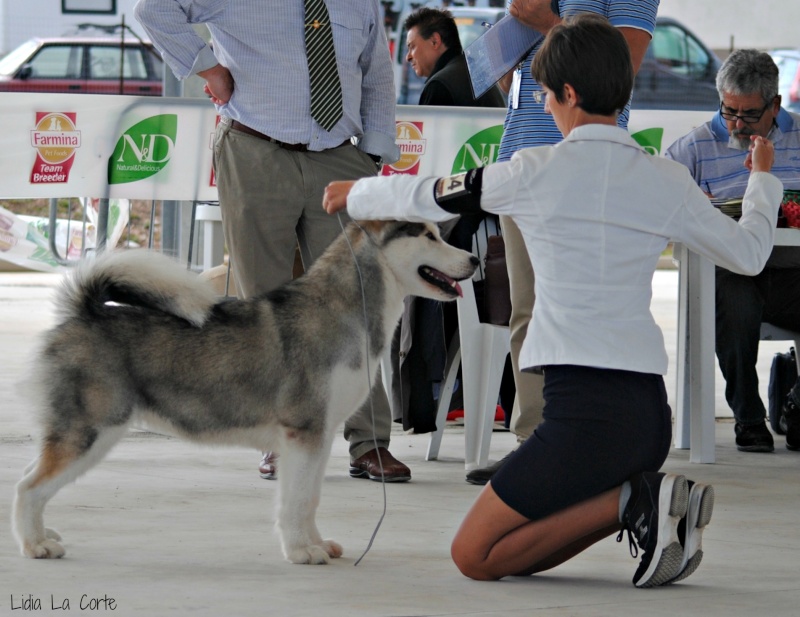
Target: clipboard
(497, 51)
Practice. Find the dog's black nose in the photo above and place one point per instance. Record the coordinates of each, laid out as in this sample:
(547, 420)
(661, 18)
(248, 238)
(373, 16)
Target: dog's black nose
(474, 260)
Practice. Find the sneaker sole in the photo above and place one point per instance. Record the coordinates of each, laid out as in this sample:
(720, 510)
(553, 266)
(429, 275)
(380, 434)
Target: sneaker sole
(698, 515)
(673, 501)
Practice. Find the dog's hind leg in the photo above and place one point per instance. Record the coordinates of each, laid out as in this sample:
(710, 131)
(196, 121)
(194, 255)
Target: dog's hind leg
(302, 469)
(59, 463)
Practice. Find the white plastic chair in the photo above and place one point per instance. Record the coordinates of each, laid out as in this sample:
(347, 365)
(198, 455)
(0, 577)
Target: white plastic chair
(481, 352)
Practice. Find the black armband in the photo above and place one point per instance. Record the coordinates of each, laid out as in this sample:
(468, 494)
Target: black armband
(460, 194)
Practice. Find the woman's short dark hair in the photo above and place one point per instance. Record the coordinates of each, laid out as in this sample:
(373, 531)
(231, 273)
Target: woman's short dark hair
(588, 53)
(430, 20)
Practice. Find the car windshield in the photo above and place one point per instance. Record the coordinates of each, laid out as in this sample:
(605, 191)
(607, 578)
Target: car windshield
(10, 64)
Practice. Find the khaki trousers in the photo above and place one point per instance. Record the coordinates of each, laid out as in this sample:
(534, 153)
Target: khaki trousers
(271, 203)
(528, 403)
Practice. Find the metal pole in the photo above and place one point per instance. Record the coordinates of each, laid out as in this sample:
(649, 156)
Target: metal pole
(102, 224)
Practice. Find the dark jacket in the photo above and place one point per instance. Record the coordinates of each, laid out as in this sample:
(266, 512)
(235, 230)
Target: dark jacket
(449, 84)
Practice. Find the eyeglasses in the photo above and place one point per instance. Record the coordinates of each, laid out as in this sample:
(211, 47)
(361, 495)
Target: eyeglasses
(540, 96)
(747, 118)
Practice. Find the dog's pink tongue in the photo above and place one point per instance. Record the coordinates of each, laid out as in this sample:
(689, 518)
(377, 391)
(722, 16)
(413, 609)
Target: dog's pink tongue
(459, 290)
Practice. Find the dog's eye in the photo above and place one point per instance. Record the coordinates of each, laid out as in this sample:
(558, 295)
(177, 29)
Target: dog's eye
(430, 236)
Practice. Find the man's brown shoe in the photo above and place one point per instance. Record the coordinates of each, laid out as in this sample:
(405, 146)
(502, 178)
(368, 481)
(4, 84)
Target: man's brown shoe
(367, 466)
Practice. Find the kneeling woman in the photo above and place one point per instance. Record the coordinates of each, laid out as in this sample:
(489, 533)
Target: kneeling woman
(596, 211)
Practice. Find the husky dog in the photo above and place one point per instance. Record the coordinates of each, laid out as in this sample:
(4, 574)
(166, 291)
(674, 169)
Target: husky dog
(141, 339)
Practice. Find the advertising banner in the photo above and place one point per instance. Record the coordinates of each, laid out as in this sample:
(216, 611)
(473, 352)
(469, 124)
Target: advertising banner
(78, 145)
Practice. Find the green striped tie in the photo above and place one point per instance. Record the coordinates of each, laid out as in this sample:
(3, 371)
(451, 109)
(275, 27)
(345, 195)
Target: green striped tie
(326, 89)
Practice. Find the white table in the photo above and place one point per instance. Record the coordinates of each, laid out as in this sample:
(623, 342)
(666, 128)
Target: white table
(695, 416)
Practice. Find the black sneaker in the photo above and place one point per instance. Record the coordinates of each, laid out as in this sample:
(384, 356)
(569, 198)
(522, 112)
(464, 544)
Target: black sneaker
(656, 505)
(754, 438)
(791, 418)
(482, 475)
(690, 529)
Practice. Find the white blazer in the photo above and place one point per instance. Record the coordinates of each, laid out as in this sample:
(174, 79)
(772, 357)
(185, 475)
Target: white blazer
(596, 212)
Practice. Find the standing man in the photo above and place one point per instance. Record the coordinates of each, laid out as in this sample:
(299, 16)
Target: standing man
(528, 125)
(305, 96)
(434, 51)
(747, 83)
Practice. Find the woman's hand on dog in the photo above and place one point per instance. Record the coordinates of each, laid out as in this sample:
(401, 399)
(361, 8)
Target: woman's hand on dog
(335, 197)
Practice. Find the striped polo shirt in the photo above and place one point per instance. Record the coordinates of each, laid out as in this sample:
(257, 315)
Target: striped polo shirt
(719, 169)
(528, 125)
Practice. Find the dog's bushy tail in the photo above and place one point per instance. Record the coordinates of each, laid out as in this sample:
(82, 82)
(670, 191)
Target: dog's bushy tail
(137, 278)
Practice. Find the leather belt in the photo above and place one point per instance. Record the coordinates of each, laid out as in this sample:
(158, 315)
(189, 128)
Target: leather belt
(243, 128)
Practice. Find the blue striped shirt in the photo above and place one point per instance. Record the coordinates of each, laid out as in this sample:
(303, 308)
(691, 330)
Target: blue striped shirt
(528, 125)
(719, 169)
(262, 43)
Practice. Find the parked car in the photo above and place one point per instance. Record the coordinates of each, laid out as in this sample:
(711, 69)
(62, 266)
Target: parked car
(788, 61)
(471, 23)
(678, 71)
(101, 63)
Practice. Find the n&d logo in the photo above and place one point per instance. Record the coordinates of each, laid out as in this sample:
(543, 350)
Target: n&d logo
(479, 150)
(143, 150)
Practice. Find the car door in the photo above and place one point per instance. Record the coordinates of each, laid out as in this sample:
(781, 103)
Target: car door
(53, 68)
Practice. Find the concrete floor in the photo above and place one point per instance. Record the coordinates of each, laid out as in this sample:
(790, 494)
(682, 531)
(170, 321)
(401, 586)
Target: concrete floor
(163, 527)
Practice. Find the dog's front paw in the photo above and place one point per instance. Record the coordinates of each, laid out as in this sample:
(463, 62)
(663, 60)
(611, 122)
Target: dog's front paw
(315, 553)
(332, 548)
(46, 549)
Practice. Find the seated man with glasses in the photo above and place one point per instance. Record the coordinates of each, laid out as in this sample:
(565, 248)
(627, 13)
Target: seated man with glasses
(715, 153)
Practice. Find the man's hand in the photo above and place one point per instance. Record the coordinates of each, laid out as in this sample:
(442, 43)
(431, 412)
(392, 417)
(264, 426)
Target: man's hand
(219, 84)
(335, 197)
(761, 155)
(535, 14)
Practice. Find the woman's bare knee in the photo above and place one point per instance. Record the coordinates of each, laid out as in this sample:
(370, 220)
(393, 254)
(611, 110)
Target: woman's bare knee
(469, 563)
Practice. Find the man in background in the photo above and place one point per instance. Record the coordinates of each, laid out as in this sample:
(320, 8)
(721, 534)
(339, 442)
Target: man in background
(427, 326)
(278, 145)
(747, 83)
(434, 51)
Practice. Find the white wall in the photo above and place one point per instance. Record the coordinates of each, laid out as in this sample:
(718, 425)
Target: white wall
(761, 24)
(23, 19)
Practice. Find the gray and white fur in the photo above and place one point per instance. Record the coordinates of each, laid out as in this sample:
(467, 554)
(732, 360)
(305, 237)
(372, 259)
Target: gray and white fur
(141, 340)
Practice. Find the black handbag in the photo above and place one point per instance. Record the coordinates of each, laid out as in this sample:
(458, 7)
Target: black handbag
(782, 376)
